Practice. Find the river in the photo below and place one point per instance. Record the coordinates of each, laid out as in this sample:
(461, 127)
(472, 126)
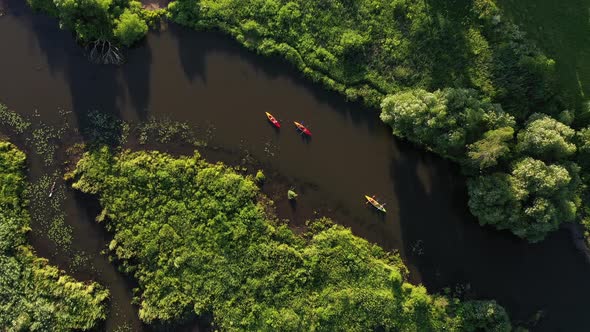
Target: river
(209, 81)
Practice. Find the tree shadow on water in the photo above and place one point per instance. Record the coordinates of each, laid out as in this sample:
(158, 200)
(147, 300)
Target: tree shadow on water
(137, 74)
(192, 51)
(91, 87)
(456, 251)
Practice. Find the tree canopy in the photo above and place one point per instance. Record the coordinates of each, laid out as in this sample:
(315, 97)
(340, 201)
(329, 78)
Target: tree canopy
(494, 145)
(446, 121)
(546, 138)
(530, 201)
(129, 28)
(121, 21)
(35, 296)
(197, 241)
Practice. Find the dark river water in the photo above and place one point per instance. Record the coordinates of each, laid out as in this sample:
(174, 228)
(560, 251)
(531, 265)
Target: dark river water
(209, 81)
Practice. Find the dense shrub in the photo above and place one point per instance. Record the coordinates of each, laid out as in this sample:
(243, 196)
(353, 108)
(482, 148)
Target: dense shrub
(197, 241)
(491, 148)
(130, 28)
(35, 296)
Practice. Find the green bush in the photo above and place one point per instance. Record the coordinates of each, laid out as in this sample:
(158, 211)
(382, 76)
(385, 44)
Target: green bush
(488, 151)
(366, 49)
(546, 138)
(130, 28)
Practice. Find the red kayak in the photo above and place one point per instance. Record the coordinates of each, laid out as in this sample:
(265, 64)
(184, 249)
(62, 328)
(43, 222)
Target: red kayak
(302, 128)
(272, 119)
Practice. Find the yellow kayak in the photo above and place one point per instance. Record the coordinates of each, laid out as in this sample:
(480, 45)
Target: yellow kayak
(377, 205)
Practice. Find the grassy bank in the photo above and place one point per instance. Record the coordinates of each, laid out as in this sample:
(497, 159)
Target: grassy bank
(35, 296)
(199, 242)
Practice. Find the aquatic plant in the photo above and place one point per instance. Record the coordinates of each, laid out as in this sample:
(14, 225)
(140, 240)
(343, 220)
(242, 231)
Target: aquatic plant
(13, 120)
(164, 130)
(291, 194)
(103, 128)
(36, 296)
(60, 233)
(46, 196)
(260, 177)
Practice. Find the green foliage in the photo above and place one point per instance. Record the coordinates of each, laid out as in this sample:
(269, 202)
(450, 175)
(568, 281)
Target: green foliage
(197, 242)
(494, 145)
(530, 201)
(445, 121)
(260, 177)
(366, 49)
(13, 120)
(546, 138)
(484, 316)
(583, 145)
(35, 296)
(121, 21)
(130, 28)
(291, 194)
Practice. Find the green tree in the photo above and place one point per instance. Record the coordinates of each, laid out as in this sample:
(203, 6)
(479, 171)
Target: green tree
(530, 201)
(130, 28)
(494, 145)
(119, 21)
(445, 120)
(546, 138)
(89, 19)
(583, 146)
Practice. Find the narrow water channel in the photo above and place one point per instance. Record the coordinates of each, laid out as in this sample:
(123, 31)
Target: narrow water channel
(211, 82)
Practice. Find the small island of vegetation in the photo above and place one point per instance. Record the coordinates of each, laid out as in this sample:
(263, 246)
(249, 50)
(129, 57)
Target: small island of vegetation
(199, 242)
(35, 296)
